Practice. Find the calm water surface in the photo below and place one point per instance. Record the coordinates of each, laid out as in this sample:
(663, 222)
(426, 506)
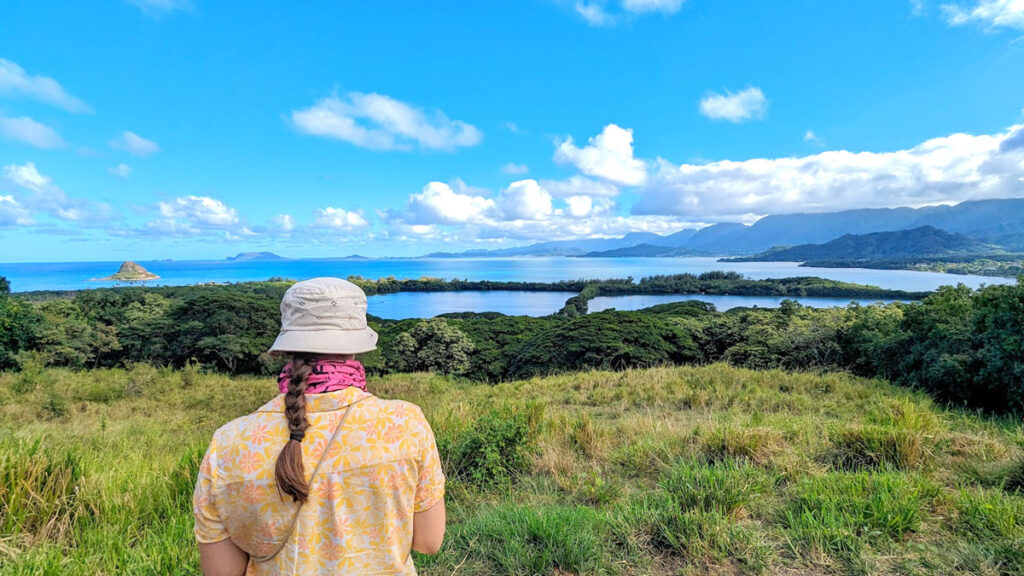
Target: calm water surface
(78, 275)
(403, 305)
(722, 303)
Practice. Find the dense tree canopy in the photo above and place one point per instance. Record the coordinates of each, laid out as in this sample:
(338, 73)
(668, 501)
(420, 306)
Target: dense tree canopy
(964, 346)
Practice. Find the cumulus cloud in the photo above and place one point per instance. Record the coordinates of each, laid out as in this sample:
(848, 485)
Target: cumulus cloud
(579, 186)
(121, 170)
(283, 223)
(947, 169)
(134, 144)
(437, 203)
(379, 122)
(747, 104)
(30, 132)
(513, 168)
(12, 213)
(196, 213)
(587, 206)
(609, 155)
(45, 196)
(813, 138)
(524, 200)
(14, 81)
(991, 14)
(339, 220)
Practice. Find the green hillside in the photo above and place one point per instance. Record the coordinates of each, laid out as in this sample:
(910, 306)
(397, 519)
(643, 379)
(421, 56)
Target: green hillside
(687, 470)
(923, 242)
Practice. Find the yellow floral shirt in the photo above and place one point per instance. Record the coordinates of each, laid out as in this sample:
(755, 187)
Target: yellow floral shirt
(382, 468)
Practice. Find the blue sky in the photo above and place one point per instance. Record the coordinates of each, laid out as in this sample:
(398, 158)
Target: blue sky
(180, 129)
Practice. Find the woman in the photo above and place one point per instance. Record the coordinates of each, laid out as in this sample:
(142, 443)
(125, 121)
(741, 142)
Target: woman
(326, 478)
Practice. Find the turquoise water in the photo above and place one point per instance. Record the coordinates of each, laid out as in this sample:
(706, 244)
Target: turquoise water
(722, 303)
(403, 305)
(428, 304)
(78, 275)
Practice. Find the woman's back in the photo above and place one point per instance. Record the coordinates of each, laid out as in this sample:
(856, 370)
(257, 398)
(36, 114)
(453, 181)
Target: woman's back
(382, 468)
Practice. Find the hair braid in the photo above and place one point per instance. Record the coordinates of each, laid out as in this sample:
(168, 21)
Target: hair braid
(289, 471)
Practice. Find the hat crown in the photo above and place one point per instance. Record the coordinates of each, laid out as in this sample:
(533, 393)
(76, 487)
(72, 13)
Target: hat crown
(323, 304)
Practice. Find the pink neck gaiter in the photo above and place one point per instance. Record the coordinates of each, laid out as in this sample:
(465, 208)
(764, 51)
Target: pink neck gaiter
(328, 376)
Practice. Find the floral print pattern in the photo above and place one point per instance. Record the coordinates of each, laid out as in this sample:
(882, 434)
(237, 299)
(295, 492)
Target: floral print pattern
(383, 468)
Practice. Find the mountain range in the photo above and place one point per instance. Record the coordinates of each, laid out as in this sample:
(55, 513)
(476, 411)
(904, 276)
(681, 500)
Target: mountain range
(923, 242)
(996, 222)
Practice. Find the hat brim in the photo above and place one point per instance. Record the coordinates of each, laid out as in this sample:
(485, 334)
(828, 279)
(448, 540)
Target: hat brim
(325, 341)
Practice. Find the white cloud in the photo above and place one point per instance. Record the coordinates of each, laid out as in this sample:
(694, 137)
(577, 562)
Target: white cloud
(513, 168)
(134, 144)
(27, 176)
(160, 7)
(587, 207)
(196, 212)
(813, 138)
(941, 170)
(747, 104)
(379, 122)
(121, 170)
(283, 223)
(608, 155)
(30, 132)
(15, 81)
(579, 186)
(12, 213)
(593, 13)
(49, 198)
(643, 6)
(991, 14)
(524, 200)
(338, 219)
(513, 128)
(437, 203)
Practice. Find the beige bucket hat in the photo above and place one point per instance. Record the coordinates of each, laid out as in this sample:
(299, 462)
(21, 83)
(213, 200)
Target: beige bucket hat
(325, 316)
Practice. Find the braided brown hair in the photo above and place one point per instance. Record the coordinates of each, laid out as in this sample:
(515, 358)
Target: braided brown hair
(289, 471)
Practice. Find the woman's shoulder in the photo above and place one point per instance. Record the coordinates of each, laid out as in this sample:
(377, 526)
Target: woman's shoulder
(401, 410)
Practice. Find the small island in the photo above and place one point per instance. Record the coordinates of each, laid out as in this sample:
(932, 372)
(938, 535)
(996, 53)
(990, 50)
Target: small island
(131, 272)
(255, 256)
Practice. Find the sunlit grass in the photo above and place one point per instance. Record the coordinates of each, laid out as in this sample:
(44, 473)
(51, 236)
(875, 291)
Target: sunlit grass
(670, 470)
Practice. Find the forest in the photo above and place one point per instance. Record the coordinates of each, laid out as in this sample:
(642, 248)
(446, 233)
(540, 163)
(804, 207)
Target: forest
(963, 346)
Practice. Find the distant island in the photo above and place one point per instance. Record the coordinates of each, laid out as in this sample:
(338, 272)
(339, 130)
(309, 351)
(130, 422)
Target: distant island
(256, 256)
(131, 272)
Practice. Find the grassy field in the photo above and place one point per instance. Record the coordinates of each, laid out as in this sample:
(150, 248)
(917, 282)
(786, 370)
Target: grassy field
(662, 471)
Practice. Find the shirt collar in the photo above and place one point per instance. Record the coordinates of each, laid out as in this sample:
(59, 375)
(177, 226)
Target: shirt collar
(324, 402)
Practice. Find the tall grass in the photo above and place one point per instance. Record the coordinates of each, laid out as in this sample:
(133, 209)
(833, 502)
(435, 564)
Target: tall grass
(690, 470)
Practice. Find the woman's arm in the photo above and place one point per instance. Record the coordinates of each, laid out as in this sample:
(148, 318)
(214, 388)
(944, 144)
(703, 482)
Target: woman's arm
(222, 559)
(428, 529)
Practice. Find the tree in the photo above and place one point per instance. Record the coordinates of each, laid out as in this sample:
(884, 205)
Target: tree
(605, 340)
(435, 346)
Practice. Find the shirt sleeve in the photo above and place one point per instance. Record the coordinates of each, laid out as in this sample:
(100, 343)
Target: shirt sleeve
(430, 488)
(209, 527)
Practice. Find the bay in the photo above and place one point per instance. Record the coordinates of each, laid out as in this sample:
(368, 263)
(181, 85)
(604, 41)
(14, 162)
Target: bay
(78, 275)
(721, 302)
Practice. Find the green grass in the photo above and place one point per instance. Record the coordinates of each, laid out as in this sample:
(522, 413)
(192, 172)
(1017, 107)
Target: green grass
(690, 470)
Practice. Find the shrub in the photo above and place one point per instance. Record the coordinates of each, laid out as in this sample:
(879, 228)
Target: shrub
(495, 447)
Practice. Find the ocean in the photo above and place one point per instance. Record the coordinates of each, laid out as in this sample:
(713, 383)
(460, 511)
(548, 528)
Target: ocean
(26, 277)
